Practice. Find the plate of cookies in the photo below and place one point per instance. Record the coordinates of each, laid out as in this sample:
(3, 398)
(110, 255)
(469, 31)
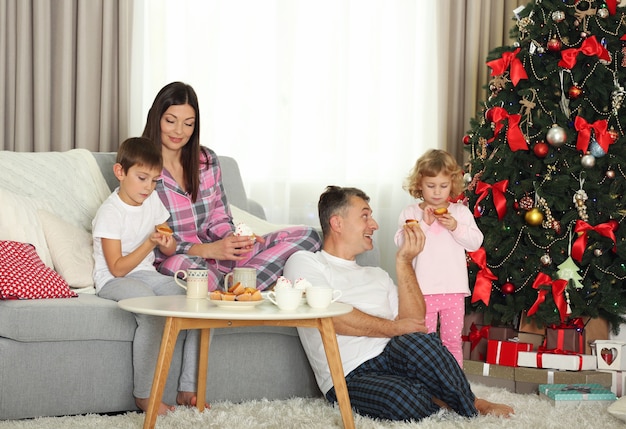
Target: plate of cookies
(237, 297)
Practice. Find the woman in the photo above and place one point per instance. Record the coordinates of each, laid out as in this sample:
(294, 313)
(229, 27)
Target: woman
(191, 189)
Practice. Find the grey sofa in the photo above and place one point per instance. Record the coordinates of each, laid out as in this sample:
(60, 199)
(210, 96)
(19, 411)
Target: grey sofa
(73, 356)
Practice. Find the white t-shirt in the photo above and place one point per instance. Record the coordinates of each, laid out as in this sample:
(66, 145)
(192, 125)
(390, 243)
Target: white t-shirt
(369, 289)
(132, 225)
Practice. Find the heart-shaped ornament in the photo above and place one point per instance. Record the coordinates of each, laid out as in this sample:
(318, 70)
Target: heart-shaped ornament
(608, 355)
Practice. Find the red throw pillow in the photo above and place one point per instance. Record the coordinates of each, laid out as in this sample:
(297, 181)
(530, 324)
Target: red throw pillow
(24, 276)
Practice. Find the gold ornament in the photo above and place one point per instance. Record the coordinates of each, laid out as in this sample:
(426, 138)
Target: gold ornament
(533, 217)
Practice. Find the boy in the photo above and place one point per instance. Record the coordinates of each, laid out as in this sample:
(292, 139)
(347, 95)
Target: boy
(124, 239)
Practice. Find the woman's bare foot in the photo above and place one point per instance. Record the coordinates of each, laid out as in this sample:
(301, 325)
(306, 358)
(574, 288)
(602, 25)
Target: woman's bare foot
(188, 399)
(485, 407)
(163, 409)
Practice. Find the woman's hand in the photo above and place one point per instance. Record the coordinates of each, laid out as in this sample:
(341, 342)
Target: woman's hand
(230, 248)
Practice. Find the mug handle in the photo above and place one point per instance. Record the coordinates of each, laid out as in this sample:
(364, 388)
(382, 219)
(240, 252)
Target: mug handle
(271, 295)
(177, 280)
(335, 298)
(226, 279)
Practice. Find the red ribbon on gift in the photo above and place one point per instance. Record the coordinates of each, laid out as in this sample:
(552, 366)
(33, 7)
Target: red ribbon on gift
(497, 190)
(542, 350)
(589, 47)
(475, 335)
(605, 229)
(514, 135)
(484, 277)
(500, 65)
(558, 287)
(584, 133)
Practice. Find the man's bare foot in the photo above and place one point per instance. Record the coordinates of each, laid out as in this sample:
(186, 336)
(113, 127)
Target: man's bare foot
(485, 407)
(162, 410)
(188, 399)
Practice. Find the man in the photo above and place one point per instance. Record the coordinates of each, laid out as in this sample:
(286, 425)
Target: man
(394, 369)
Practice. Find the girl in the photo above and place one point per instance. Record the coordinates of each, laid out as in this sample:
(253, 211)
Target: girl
(450, 230)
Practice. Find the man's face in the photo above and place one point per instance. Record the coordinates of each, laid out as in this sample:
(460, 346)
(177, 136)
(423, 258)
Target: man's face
(358, 226)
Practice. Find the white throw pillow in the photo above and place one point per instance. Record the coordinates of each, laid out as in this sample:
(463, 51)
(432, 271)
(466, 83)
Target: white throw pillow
(259, 226)
(618, 409)
(19, 222)
(71, 248)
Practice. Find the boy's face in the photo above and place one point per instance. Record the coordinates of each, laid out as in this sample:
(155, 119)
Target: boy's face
(137, 183)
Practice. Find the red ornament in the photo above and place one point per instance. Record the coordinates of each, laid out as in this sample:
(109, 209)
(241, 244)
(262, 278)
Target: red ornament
(614, 134)
(554, 45)
(541, 149)
(466, 139)
(574, 92)
(508, 288)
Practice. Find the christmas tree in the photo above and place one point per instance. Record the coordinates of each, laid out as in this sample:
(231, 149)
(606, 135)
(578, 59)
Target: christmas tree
(546, 172)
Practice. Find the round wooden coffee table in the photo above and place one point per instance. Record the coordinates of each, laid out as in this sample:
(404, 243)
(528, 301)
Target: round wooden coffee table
(182, 313)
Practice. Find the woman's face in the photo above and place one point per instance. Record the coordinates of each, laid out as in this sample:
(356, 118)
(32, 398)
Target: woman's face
(177, 125)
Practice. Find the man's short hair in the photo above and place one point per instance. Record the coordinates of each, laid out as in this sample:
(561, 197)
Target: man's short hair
(139, 151)
(334, 200)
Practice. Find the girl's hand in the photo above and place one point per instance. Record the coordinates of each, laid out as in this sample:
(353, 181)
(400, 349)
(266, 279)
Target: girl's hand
(429, 215)
(447, 221)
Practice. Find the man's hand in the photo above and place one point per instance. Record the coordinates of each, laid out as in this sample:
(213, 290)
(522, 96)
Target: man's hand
(413, 244)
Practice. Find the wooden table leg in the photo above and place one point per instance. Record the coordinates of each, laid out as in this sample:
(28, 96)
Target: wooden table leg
(203, 364)
(329, 339)
(168, 342)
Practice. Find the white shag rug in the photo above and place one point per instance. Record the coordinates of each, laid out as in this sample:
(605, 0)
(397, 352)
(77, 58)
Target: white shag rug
(531, 411)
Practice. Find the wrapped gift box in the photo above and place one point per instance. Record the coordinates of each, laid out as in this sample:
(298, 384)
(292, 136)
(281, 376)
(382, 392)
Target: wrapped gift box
(490, 375)
(568, 336)
(575, 394)
(475, 343)
(568, 362)
(505, 352)
(536, 340)
(610, 354)
(527, 380)
(618, 382)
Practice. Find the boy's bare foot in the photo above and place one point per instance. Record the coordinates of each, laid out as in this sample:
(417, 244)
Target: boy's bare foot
(163, 409)
(485, 407)
(188, 399)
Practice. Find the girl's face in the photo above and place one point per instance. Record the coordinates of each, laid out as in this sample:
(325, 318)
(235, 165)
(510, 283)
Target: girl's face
(177, 125)
(436, 190)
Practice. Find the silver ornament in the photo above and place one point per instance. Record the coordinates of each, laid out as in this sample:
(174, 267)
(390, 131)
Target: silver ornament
(603, 12)
(610, 174)
(546, 259)
(588, 161)
(556, 136)
(558, 16)
(467, 177)
(597, 252)
(595, 149)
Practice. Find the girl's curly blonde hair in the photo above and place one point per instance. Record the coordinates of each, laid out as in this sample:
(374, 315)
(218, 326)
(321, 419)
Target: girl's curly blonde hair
(430, 164)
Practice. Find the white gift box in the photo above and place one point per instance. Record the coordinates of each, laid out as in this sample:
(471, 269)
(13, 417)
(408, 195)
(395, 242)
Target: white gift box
(611, 354)
(569, 362)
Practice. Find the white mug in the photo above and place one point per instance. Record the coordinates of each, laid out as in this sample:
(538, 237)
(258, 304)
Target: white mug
(321, 296)
(197, 286)
(245, 276)
(286, 298)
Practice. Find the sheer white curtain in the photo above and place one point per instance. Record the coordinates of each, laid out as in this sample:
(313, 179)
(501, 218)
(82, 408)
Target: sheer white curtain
(303, 93)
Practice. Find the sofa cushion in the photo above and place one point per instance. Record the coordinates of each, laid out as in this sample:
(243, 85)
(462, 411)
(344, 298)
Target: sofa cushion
(19, 222)
(87, 317)
(71, 249)
(24, 276)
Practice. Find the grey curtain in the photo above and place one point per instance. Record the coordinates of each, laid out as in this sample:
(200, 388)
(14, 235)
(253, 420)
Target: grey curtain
(468, 30)
(64, 74)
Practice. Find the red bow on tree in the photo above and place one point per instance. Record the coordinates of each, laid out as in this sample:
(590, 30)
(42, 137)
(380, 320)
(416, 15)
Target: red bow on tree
(611, 5)
(484, 277)
(499, 200)
(514, 135)
(605, 229)
(584, 133)
(500, 65)
(589, 47)
(558, 287)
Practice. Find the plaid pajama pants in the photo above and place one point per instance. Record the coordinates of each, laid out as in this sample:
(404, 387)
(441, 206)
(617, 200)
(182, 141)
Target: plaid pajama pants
(268, 258)
(399, 384)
